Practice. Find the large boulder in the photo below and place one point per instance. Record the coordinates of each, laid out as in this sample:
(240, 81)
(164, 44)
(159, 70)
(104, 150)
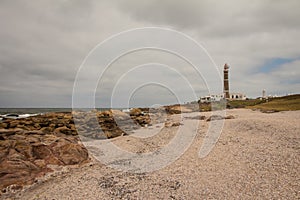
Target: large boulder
(70, 153)
(26, 155)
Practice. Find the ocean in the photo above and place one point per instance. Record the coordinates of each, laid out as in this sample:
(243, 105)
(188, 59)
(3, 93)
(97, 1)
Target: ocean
(16, 113)
(20, 111)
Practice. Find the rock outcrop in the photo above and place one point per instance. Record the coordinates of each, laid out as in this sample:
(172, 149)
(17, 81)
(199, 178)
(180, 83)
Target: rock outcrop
(29, 146)
(25, 155)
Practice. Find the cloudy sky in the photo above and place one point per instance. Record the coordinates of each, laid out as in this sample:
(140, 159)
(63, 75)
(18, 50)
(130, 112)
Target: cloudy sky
(44, 43)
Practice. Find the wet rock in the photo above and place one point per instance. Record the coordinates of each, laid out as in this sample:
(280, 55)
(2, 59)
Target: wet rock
(12, 115)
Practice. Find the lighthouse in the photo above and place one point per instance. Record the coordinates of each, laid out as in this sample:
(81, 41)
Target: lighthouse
(226, 81)
(225, 95)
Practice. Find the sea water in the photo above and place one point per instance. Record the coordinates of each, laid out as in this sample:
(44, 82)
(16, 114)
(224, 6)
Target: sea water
(16, 113)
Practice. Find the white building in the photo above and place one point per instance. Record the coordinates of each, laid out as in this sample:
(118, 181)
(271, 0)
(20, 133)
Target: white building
(237, 96)
(211, 98)
(219, 97)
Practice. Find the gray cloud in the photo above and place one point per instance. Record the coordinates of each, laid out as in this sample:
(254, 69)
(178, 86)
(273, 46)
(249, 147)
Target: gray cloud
(218, 18)
(43, 43)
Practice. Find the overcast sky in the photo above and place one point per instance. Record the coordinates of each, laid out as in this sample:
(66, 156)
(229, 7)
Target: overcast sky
(43, 43)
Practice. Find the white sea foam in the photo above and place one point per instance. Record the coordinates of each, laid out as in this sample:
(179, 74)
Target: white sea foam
(17, 116)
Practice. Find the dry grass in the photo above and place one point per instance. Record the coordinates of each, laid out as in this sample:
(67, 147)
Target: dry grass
(291, 102)
(244, 103)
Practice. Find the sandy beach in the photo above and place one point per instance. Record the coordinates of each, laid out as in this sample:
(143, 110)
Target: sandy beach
(256, 157)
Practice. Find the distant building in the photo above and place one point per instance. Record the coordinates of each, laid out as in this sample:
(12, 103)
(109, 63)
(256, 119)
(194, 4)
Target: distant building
(219, 97)
(211, 98)
(264, 93)
(226, 93)
(205, 99)
(237, 96)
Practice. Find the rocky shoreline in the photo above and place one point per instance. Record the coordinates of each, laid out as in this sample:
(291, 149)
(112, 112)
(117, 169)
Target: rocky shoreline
(30, 147)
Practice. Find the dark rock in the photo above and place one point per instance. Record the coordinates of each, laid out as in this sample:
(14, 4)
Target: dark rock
(219, 117)
(176, 124)
(199, 117)
(230, 117)
(215, 117)
(12, 115)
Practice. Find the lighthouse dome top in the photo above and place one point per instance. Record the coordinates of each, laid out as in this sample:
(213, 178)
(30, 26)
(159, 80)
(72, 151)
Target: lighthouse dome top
(226, 66)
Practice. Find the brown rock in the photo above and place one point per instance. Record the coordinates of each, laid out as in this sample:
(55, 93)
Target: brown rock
(40, 163)
(13, 124)
(47, 129)
(8, 132)
(4, 125)
(34, 132)
(112, 134)
(176, 109)
(72, 127)
(44, 152)
(230, 117)
(17, 171)
(59, 125)
(70, 153)
(41, 151)
(135, 112)
(37, 126)
(63, 130)
(107, 113)
(176, 124)
(199, 117)
(24, 148)
(219, 117)
(3, 152)
(142, 120)
(24, 155)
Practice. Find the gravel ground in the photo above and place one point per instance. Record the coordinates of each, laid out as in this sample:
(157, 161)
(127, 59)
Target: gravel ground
(256, 157)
